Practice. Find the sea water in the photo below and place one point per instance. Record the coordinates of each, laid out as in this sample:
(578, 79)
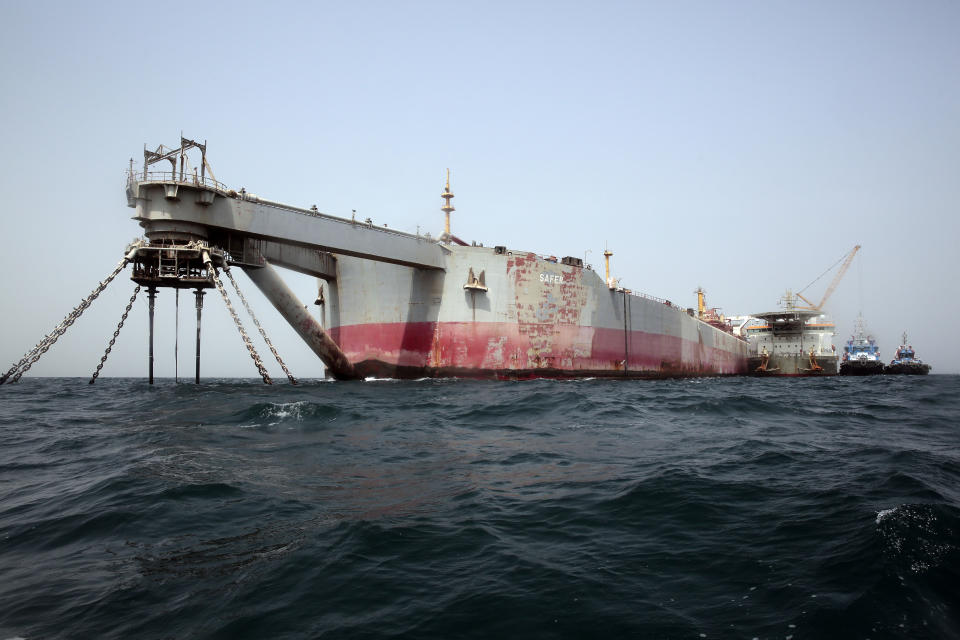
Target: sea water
(716, 508)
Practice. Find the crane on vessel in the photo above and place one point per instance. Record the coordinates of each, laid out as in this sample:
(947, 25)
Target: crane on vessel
(846, 259)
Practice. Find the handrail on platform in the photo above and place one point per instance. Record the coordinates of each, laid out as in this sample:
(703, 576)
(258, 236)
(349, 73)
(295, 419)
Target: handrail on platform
(176, 177)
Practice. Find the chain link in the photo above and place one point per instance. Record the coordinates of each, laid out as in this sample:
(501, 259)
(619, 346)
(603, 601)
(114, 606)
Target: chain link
(236, 319)
(116, 333)
(263, 333)
(34, 354)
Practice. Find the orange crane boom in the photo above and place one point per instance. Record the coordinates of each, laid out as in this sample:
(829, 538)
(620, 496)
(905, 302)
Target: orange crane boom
(833, 285)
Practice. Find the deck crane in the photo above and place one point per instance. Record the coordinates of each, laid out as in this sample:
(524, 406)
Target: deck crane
(833, 285)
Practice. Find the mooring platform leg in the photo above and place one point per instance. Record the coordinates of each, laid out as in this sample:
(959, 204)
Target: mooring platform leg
(199, 294)
(151, 296)
(295, 313)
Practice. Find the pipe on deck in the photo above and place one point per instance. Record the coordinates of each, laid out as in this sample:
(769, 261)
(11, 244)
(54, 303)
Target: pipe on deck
(292, 309)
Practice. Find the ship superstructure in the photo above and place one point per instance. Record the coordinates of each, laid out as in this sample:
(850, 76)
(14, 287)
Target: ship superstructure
(792, 341)
(861, 355)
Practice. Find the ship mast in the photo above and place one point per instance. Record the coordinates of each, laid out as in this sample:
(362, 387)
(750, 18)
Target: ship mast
(606, 256)
(447, 206)
(701, 302)
(858, 328)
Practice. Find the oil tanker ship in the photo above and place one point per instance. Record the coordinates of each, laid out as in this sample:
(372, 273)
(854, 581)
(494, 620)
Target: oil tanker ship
(394, 304)
(508, 313)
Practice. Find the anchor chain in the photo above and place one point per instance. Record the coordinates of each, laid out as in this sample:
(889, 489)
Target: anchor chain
(34, 354)
(236, 319)
(263, 333)
(116, 333)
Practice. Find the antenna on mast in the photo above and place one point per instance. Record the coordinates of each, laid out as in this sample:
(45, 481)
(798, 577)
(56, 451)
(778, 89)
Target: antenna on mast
(447, 207)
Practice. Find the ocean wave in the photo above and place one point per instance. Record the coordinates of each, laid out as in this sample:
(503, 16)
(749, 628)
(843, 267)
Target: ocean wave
(733, 405)
(919, 537)
(271, 414)
(717, 507)
(197, 557)
(530, 404)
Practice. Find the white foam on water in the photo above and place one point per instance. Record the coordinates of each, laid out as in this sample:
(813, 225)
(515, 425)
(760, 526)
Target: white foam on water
(285, 410)
(274, 414)
(884, 513)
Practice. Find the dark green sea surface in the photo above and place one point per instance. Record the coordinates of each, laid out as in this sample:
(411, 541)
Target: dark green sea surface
(716, 508)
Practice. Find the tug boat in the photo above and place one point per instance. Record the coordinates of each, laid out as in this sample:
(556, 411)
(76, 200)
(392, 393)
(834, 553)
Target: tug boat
(905, 362)
(861, 355)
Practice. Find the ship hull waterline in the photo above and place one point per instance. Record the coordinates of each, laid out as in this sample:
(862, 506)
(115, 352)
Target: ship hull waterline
(867, 368)
(907, 369)
(467, 350)
(532, 318)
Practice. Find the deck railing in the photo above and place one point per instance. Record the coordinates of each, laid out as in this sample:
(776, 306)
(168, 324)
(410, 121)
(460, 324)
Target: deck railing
(177, 177)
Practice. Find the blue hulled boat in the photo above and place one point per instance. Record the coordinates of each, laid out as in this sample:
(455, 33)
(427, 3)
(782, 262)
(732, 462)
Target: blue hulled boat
(861, 355)
(906, 362)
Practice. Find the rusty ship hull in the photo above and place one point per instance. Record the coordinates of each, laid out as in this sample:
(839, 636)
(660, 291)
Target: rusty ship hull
(531, 317)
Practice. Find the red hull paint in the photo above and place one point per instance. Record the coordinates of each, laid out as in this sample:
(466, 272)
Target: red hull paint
(477, 349)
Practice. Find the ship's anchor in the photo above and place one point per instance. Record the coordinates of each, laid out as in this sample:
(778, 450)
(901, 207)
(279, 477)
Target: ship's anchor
(813, 363)
(764, 361)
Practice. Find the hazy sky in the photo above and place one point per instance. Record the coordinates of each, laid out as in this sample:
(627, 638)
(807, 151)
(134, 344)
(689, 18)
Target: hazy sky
(740, 146)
